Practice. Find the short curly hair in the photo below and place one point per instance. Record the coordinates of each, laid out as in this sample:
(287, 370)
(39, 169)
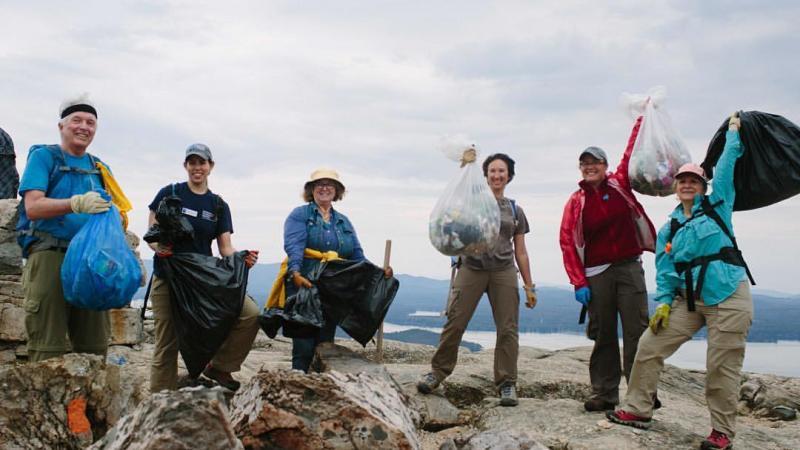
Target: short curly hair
(308, 190)
(503, 157)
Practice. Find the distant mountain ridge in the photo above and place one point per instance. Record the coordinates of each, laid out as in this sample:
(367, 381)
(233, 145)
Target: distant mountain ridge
(776, 318)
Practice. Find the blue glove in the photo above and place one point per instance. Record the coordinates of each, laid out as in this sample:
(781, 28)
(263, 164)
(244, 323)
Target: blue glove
(583, 295)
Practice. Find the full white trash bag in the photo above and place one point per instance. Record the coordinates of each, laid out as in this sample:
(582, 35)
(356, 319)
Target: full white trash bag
(466, 219)
(659, 150)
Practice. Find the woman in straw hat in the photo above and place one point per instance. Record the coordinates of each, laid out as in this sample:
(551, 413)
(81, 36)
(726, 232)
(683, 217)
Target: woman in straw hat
(316, 225)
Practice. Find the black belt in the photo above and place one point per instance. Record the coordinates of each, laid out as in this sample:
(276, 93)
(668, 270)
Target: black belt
(728, 255)
(52, 249)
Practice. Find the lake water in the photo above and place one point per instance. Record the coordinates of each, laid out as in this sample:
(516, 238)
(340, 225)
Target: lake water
(780, 358)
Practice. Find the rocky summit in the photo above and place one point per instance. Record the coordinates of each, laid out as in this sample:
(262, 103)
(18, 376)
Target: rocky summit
(355, 402)
(349, 402)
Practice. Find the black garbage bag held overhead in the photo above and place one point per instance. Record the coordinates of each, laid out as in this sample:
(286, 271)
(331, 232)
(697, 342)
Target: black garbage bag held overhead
(769, 169)
(206, 298)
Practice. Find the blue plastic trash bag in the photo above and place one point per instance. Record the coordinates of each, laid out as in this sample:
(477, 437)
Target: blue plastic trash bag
(100, 270)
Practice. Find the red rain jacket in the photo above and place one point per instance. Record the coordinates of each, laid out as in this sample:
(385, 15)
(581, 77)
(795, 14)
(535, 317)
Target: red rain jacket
(571, 235)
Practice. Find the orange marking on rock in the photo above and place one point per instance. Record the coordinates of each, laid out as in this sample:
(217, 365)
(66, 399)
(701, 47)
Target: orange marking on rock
(76, 416)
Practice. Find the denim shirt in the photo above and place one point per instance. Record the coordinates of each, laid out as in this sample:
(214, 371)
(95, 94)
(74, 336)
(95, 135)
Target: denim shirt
(702, 236)
(304, 228)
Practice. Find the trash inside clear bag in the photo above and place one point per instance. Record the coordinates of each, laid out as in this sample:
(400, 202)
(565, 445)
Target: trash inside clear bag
(466, 219)
(659, 150)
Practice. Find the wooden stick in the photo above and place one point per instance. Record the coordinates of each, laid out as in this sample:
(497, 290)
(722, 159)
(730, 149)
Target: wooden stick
(387, 253)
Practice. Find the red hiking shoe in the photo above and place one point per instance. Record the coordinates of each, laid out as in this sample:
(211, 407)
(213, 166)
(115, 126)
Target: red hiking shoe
(623, 417)
(717, 441)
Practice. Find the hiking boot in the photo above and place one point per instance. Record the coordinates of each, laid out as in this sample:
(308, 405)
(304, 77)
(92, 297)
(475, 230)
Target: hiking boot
(428, 383)
(716, 440)
(623, 417)
(598, 404)
(508, 395)
(223, 379)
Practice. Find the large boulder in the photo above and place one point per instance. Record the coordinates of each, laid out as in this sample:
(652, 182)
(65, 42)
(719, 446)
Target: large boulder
(190, 418)
(10, 254)
(332, 410)
(12, 323)
(64, 402)
(126, 326)
(771, 396)
(494, 440)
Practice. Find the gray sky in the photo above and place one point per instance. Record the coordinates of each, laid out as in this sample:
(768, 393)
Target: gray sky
(277, 89)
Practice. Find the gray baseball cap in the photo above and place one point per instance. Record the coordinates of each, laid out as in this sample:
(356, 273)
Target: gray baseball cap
(597, 152)
(200, 150)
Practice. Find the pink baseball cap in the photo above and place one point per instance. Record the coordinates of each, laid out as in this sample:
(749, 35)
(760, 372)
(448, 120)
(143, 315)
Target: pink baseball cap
(692, 169)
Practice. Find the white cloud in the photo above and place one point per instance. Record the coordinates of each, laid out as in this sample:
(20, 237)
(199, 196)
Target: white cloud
(280, 88)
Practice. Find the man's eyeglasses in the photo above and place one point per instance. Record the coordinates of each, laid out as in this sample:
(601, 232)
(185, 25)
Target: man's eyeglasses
(591, 163)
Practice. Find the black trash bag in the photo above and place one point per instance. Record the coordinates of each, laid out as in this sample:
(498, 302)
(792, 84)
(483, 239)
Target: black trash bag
(353, 294)
(357, 296)
(172, 226)
(301, 316)
(206, 298)
(769, 169)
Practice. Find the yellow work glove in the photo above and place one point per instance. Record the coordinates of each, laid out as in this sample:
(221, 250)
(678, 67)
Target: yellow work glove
(530, 295)
(660, 319)
(300, 281)
(89, 203)
(734, 123)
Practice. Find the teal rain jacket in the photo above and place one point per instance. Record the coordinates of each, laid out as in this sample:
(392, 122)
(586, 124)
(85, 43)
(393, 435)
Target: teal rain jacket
(702, 236)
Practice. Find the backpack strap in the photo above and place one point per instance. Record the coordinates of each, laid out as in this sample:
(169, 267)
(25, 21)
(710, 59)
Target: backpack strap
(710, 211)
(729, 255)
(514, 212)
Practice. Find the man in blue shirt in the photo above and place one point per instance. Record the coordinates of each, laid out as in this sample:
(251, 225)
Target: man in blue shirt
(58, 195)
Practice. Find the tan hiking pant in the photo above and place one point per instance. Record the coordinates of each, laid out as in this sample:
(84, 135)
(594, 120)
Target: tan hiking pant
(728, 324)
(468, 287)
(229, 358)
(49, 318)
(620, 291)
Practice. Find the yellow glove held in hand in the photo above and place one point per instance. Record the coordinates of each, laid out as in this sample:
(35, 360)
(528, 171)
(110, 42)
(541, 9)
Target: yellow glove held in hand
(530, 296)
(89, 203)
(660, 319)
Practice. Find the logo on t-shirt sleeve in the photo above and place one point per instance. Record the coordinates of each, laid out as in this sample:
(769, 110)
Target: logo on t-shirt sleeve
(208, 215)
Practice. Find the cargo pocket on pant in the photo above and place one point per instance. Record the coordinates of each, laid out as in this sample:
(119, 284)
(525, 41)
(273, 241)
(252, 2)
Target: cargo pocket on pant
(731, 328)
(592, 328)
(33, 298)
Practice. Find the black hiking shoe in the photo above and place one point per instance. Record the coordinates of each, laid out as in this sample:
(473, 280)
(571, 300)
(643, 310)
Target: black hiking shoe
(623, 417)
(508, 395)
(597, 404)
(223, 379)
(428, 383)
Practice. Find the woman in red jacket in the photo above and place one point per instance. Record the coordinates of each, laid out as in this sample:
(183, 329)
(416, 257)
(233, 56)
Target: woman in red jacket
(604, 231)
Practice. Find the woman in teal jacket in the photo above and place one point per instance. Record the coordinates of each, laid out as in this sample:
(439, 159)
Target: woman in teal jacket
(702, 281)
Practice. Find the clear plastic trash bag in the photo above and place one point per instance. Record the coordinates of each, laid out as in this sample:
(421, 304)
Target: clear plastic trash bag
(659, 150)
(100, 271)
(466, 219)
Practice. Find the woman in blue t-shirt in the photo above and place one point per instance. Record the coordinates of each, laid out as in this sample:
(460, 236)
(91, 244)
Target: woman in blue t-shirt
(317, 226)
(210, 217)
